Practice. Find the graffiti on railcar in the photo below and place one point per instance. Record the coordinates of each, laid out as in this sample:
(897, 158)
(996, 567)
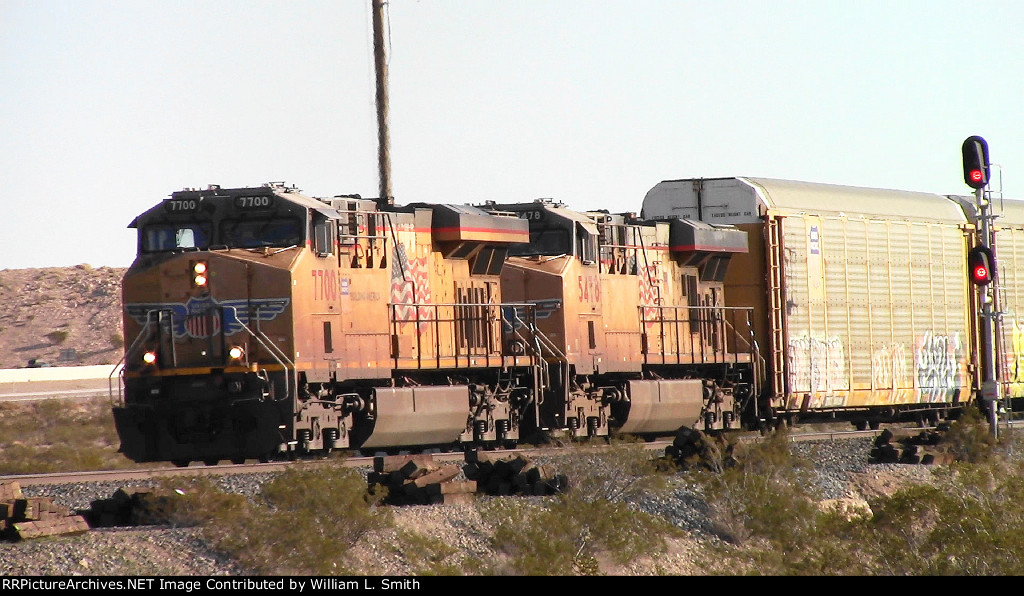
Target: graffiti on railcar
(937, 363)
(888, 367)
(817, 364)
(1015, 362)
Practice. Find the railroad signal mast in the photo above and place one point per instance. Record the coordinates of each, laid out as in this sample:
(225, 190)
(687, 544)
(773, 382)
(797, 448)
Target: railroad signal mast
(981, 267)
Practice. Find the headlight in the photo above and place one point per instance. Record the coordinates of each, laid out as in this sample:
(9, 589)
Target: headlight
(199, 278)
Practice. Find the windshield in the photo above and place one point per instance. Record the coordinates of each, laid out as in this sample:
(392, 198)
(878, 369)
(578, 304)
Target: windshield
(544, 242)
(255, 233)
(165, 237)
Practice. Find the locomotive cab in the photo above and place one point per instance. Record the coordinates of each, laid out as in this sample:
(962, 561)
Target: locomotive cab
(206, 347)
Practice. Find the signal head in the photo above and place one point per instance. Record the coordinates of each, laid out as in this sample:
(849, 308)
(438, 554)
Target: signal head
(981, 265)
(976, 165)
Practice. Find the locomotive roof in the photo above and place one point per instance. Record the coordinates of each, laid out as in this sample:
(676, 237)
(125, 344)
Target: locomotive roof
(556, 208)
(289, 194)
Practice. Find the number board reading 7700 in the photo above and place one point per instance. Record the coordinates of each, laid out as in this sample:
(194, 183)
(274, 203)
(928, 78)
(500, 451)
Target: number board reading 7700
(254, 202)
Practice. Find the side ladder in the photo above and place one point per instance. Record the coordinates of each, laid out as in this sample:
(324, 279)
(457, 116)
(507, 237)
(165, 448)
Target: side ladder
(776, 302)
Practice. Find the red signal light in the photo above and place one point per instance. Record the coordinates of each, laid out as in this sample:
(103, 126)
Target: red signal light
(981, 265)
(977, 176)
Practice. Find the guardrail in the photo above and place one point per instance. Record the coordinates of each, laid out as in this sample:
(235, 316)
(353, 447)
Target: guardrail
(19, 380)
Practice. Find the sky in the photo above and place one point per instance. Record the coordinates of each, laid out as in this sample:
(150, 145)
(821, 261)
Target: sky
(108, 106)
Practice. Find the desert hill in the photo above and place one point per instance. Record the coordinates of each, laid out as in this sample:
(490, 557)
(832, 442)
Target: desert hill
(63, 316)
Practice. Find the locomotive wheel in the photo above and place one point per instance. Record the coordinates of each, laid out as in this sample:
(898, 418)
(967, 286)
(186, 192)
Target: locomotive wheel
(211, 461)
(873, 424)
(264, 458)
(181, 463)
(238, 460)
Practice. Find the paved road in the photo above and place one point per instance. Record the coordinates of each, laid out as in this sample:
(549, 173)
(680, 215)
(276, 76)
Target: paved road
(29, 384)
(54, 394)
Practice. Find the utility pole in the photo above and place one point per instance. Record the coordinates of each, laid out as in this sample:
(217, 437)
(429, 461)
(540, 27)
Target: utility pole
(982, 264)
(383, 141)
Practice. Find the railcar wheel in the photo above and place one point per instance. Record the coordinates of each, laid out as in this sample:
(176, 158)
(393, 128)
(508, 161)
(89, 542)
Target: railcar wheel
(264, 458)
(238, 460)
(181, 463)
(873, 424)
(211, 461)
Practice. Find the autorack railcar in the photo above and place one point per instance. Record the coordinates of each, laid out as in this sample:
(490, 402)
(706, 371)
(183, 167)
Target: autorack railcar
(861, 299)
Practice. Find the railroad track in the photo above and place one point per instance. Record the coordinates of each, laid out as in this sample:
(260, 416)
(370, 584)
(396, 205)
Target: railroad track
(352, 461)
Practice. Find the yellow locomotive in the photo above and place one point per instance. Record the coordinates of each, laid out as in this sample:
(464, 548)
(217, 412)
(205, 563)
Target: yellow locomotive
(261, 322)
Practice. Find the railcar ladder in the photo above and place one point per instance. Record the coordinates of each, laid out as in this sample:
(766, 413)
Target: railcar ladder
(776, 302)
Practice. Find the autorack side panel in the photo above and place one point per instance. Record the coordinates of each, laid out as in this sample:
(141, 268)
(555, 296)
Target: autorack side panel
(875, 313)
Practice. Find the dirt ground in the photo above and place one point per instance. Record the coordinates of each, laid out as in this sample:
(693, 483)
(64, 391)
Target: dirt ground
(62, 316)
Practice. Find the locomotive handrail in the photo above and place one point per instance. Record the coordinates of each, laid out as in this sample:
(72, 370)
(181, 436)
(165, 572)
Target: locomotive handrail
(647, 268)
(131, 349)
(271, 347)
(143, 336)
(542, 382)
(280, 250)
(537, 333)
(545, 345)
(394, 238)
(760, 364)
(760, 374)
(697, 316)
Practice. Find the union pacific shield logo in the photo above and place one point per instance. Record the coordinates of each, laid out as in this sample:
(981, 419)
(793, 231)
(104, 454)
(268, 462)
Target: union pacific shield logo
(202, 325)
(203, 317)
(515, 316)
